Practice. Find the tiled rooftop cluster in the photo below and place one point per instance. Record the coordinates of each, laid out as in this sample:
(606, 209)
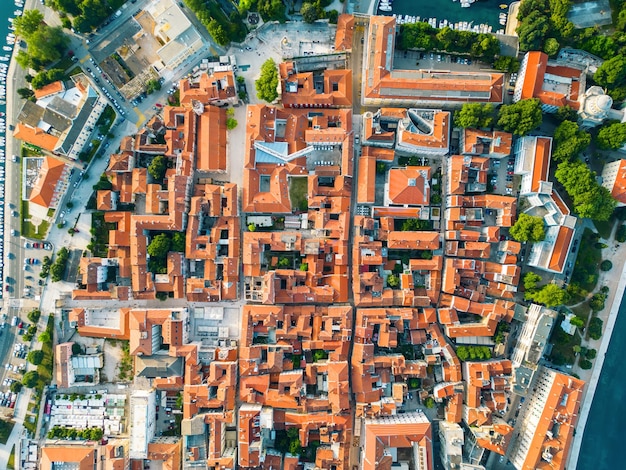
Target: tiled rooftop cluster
(349, 311)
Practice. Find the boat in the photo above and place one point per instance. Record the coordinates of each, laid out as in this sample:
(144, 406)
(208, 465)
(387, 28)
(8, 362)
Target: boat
(384, 7)
(7, 48)
(504, 6)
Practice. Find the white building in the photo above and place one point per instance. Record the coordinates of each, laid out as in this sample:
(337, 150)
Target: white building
(142, 422)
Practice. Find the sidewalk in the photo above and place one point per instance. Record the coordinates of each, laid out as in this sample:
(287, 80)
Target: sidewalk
(616, 283)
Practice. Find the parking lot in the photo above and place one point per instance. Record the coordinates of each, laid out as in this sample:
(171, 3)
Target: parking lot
(501, 177)
(411, 60)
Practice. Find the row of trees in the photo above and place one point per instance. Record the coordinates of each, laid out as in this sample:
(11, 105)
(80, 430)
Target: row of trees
(422, 36)
(270, 10)
(480, 353)
(89, 434)
(44, 44)
(58, 267)
(86, 15)
(518, 118)
(549, 295)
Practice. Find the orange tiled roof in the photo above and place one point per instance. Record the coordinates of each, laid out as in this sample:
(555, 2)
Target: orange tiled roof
(410, 185)
(45, 186)
(49, 89)
(36, 137)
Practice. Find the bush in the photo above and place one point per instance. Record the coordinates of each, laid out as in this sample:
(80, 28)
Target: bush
(35, 357)
(584, 364)
(595, 328)
(606, 265)
(34, 315)
(30, 379)
(620, 236)
(591, 354)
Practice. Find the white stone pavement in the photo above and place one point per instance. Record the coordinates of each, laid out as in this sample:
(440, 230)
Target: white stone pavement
(592, 382)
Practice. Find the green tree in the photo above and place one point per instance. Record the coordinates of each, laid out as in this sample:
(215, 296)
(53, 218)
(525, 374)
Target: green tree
(76, 349)
(44, 337)
(591, 354)
(152, 86)
(532, 31)
(585, 364)
(393, 281)
(28, 23)
(612, 76)
(35, 356)
(474, 115)
(577, 322)
(530, 280)
(46, 45)
(157, 167)
(612, 136)
(569, 141)
(551, 46)
(217, 32)
(549, 295)
(462, 353)
(310, 12)
(566, 113)
(30, 379)
(178, 242)
(521, 117)
(34, 315)
(506, 64)
(429, 402)
(267, 84)
(159, 246)
(231, 123)
(606, 265)
(25, 93)
(16, 387)
(590, 199)
(528, 228)
(46, 77)
(415, 225)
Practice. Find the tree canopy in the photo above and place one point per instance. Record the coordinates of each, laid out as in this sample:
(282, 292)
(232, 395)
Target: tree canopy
(569, 141)
(528, 228)
(421, 35)
(530, 280)
(549, 295)
(157, 167)
(590, 199)
(612, 136)
(30, 379)
(35, 356)
(159, 246)
(44, 44)
(520, 118)
(46, 77)
(267, 83)
(474, 115)
(473, 353)
(178, 242)
(543, 25)
(612, 76)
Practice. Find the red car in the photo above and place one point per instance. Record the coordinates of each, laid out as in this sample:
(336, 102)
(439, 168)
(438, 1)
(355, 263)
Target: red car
(20, 324)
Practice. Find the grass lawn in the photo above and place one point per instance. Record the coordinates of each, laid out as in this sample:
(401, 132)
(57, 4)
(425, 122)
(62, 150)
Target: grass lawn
(5, 430)
(30, 230)
(587, 262)
(562, 350)
(583, 311)
(605, 228)
(298, 187)
(11, 462)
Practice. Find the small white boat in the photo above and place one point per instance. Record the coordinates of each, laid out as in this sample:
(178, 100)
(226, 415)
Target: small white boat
(7, 48)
